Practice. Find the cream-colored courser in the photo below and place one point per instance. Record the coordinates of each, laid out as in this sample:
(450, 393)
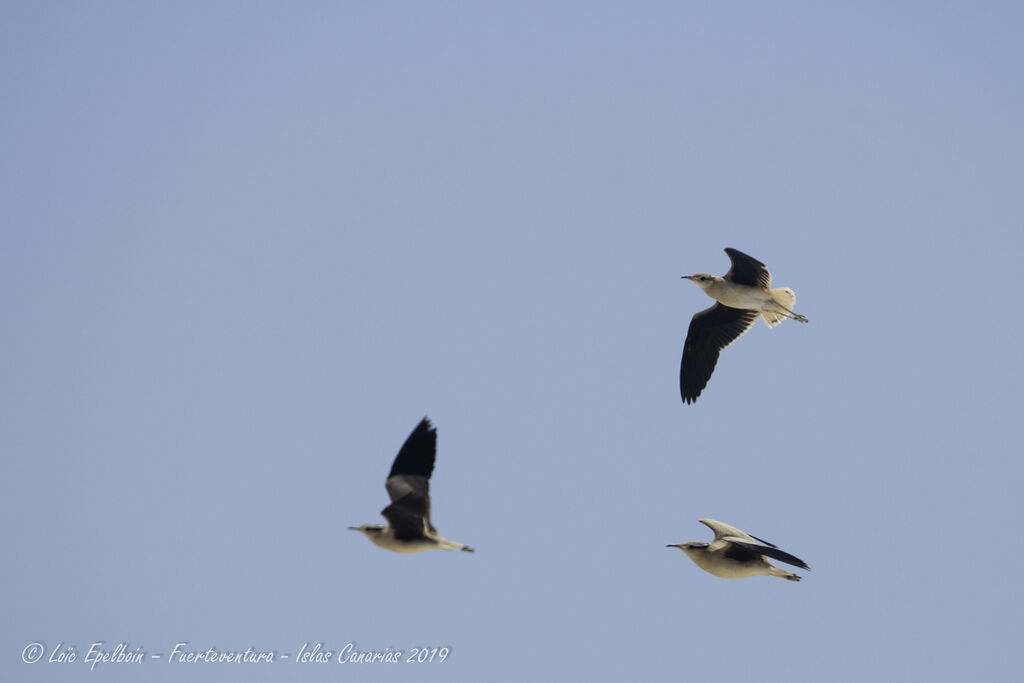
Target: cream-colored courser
(409, 529)
(734, 554)
(741, 295)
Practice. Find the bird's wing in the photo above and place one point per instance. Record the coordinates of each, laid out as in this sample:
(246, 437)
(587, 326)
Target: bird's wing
(401, 486)
(722, 530)
(409, 516)
(410, 473)
(418, 452)
(710, 331)
(725, 534)
(734, 551)
(769, 550)
(730, 538)
(747, 270)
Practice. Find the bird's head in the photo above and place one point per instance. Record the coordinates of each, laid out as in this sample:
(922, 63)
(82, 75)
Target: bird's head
(689, 547)
(702, 280)
(370, 530)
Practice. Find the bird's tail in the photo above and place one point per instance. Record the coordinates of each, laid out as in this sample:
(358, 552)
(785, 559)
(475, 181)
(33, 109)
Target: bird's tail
(785, 299)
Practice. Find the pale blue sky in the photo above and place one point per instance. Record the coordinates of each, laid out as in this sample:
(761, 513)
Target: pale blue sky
(246, 248)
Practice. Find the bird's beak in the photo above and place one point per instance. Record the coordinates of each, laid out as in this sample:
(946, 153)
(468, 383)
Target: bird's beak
(353, 528)
(672, 545)
(686, 277)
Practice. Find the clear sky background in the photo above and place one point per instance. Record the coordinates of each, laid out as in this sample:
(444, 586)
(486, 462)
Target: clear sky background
(245, 249)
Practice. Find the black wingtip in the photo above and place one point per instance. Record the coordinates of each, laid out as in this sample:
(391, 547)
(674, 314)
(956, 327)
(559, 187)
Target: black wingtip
(733, 252)
(425, 426)
(418, 451)
(763, 541)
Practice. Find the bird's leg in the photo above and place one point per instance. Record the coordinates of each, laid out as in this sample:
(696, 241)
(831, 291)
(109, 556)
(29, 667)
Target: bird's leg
(789, 314)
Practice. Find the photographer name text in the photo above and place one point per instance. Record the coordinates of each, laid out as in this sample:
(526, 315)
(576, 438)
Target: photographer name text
(103, 653)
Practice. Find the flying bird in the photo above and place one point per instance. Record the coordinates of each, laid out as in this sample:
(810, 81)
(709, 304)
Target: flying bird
(741, 296)
(409, 529)
(737, 555)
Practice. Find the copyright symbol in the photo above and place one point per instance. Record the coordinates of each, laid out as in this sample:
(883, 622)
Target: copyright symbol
(33, 652)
